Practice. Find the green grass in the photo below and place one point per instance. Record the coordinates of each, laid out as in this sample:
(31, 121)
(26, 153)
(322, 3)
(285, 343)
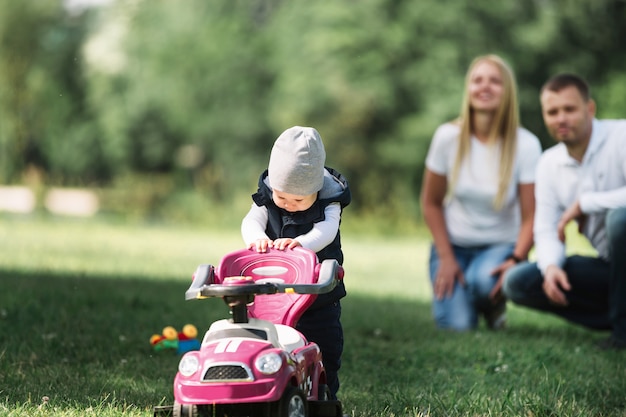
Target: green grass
(79, 301)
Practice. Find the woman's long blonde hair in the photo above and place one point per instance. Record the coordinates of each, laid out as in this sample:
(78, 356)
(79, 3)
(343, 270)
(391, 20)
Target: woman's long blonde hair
(504, 127)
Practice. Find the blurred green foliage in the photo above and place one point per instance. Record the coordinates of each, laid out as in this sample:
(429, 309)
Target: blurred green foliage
(198, 90)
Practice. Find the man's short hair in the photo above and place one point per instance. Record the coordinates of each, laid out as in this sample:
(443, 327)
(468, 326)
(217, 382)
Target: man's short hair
(561, 81)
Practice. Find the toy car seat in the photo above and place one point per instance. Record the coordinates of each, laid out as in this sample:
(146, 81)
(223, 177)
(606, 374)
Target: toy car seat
(291, 266)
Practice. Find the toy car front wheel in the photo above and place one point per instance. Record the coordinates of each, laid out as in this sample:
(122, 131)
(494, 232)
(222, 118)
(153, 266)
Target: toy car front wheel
(185, 410)
(293, 404)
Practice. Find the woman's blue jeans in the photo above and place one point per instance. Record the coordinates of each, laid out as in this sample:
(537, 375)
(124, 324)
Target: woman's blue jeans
(461, 310)
(597, 298)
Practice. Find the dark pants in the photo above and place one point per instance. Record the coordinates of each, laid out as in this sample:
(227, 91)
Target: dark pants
(323, 326)
(597, 298)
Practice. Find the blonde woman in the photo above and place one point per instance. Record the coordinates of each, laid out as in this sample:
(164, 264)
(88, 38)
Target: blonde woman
(478, 198)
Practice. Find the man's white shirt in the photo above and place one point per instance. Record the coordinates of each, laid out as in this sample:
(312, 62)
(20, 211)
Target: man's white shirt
(598, 182)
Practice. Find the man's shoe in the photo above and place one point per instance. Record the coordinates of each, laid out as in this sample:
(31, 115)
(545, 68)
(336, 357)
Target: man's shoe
(496, 318)
(611, 343)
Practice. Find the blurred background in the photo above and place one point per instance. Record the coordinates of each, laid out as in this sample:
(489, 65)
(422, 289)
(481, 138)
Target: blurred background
(167, 110)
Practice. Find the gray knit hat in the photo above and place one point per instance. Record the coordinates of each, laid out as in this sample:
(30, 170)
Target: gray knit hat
(297, 162)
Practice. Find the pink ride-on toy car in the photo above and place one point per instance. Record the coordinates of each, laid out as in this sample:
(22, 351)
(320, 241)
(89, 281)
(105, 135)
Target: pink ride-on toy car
(256, 363)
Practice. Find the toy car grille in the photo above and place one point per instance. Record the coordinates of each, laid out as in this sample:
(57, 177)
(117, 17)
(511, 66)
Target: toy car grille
(227, 373)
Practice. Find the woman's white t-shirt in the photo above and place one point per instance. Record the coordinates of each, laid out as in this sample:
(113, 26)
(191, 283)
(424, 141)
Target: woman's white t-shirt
(471, 218)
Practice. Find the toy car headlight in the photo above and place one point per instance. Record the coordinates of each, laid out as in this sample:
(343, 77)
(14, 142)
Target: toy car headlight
(188, 365)
(269, 363)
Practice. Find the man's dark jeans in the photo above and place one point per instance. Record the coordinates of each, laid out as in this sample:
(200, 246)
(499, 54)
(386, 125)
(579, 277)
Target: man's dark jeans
(597, 298)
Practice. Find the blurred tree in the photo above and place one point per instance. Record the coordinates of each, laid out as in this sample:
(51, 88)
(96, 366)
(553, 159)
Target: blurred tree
(44, 121)
(21, 27)
(188, 74)
(377, 79)
(201, 89)
(358, 74)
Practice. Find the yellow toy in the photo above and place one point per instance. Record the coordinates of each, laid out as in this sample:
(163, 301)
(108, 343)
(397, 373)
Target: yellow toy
(182, 342)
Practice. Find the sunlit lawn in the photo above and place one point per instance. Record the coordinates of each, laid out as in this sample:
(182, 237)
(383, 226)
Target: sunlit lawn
(79, 301)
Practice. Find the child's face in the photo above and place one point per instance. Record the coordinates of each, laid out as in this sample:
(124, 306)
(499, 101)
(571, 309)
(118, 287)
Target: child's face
(293, 203)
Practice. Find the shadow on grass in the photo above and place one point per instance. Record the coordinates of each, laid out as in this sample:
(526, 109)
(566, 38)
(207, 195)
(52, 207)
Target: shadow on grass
(84, 340)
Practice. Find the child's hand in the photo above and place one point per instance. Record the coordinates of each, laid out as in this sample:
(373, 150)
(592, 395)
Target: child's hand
(261, 245)
(286, 243)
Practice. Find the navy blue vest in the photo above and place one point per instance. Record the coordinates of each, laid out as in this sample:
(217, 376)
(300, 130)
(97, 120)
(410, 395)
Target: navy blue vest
(282, 223)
